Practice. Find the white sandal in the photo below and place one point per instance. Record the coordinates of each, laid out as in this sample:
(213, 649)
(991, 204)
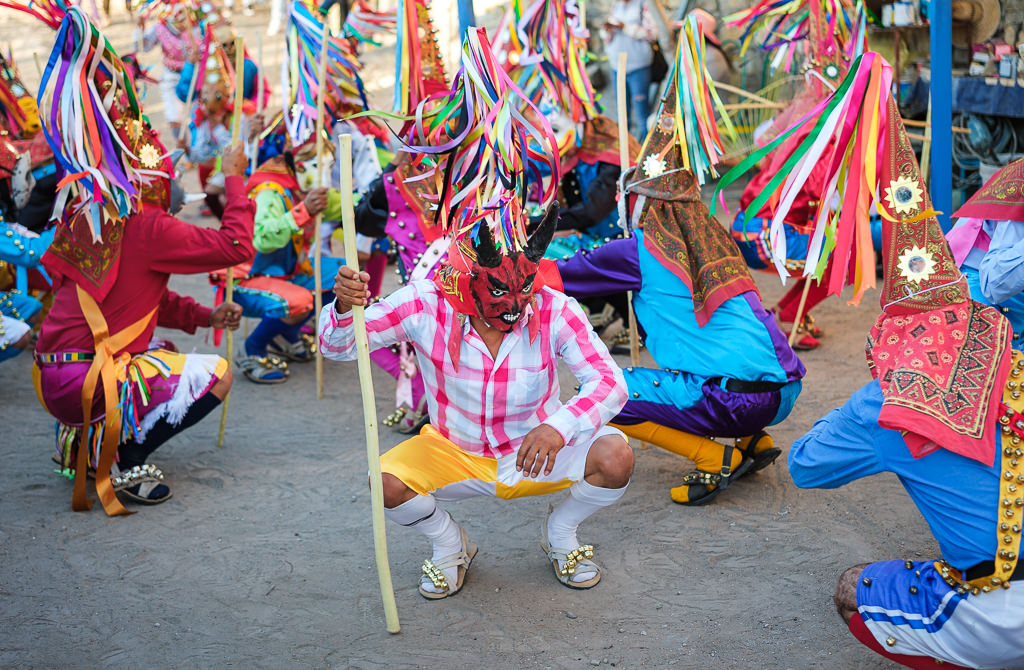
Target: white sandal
(433, 572)
(574, 560)
(298, 351)
(263, 369)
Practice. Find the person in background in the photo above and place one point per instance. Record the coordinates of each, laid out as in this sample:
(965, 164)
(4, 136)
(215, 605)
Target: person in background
(171, 33)
(630, 29)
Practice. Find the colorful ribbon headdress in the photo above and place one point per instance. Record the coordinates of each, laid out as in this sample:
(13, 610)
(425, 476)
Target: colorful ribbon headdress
(482, 148)
(363, 23)
(788, 28)
(939, 357)
(50, 12)
(300, 74)
(543, 48)
(843, 137)
(93, 116)
(694, 102)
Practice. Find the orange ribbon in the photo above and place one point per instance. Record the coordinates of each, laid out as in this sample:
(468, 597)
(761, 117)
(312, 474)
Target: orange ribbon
(102, 368)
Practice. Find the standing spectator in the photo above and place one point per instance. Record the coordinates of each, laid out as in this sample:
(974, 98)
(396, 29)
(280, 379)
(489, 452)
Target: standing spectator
(629, 29)
(171, 32)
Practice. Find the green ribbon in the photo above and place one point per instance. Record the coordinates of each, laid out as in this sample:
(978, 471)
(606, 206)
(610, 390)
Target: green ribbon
(746, 164)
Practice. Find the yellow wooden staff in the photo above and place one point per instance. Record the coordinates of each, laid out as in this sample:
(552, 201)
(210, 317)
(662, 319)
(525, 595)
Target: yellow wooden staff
(317, 241)
(229, 296)
(620, 90)
(380, 541)
(620, 99)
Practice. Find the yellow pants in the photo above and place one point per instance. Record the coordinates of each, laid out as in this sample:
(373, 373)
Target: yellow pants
(430, 463)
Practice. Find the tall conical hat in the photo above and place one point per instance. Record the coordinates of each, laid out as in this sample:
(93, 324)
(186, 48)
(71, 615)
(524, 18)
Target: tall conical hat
(678, 228)
(1001, 198)
(103, 174)
(939, 356)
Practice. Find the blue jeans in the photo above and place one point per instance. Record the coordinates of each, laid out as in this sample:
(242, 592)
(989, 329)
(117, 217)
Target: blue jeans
(638, 85)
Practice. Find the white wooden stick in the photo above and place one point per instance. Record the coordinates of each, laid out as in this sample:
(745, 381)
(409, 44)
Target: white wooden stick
(317, 241)
(800, 310)
(229, 288)
(380, 541)
(620, 99)
(260, 82)
(620, 85)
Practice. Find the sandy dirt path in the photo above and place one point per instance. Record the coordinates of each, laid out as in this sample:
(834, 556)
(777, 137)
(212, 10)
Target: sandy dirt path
(264, 556)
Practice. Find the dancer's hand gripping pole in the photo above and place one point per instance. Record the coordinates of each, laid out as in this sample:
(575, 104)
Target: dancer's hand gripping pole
(380, 543)
(229, 286)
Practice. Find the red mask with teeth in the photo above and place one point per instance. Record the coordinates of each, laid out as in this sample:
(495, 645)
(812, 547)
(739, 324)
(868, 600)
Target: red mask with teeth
(502, 285)
(501, 294)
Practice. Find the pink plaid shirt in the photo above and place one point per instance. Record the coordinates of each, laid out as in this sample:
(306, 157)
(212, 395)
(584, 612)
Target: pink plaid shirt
(489, 405)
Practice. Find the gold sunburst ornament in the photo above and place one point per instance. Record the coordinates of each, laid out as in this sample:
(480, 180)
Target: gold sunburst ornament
(654, 166)
(904, 195)
(149, 156)
(916, 264)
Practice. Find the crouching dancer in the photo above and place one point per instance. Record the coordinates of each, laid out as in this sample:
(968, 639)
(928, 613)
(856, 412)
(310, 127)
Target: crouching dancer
(116, 246)
(945, 414)
(487, 335)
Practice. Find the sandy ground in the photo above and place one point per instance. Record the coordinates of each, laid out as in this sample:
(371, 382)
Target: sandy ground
(264, 556)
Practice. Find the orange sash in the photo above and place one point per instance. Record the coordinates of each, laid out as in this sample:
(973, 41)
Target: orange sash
(102, 368)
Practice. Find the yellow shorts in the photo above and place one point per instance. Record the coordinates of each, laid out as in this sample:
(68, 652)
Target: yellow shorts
(430, 463)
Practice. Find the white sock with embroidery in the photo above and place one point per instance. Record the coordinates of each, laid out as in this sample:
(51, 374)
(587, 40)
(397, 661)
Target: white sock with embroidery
(423, 514)
(583, 500)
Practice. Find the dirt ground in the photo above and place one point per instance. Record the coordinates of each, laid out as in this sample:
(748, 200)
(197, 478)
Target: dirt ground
(264, 556)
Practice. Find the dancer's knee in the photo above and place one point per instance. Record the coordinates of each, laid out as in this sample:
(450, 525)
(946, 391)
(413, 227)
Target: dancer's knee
(395, 491)
(846, 591)
(610, 462)
(223, 385)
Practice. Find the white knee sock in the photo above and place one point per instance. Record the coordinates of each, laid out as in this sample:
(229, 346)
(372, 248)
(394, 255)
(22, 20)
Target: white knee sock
(583, 500)
(423, 514)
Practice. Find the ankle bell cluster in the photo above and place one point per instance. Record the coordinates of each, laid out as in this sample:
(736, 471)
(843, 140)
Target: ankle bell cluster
(436, 577)
(574, 557)
(393, 418)
(137, 475)
(701, 477)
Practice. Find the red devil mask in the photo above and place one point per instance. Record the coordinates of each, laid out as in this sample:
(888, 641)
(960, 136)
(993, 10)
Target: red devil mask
(497, 287)
(502, 285)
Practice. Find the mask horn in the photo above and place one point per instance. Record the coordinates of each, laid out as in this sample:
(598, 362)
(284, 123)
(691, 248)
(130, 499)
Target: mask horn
(541, 235)
(487, 254)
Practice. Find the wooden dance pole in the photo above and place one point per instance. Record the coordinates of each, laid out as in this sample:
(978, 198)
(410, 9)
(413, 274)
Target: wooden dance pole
(620, 98)
(318, 300)
(229, 289)
(260, 82)
(800, 310)
(620, 101)
(260, 86)
(380, 540)
(926, 148)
